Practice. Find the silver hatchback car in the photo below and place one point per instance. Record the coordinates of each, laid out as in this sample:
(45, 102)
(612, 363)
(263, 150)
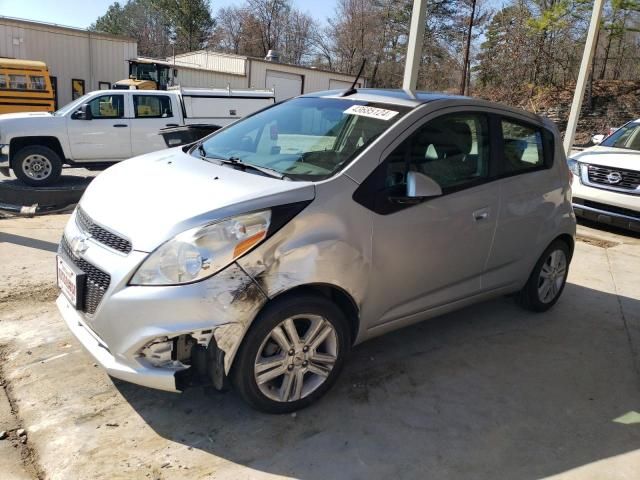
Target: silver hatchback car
(259, 256)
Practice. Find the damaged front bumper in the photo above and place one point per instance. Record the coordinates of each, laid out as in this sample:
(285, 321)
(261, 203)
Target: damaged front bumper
(155, 335)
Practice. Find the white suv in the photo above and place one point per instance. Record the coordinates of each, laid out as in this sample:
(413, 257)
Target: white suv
(606, 179)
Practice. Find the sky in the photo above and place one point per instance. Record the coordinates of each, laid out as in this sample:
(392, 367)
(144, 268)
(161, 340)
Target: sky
(82, 13)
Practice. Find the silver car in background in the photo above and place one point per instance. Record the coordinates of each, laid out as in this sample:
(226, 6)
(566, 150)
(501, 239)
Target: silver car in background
(261, 255)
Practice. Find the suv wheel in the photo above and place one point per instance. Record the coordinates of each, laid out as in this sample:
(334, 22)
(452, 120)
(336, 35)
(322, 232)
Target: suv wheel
(37, 166)
(292, 354)
(548, 278)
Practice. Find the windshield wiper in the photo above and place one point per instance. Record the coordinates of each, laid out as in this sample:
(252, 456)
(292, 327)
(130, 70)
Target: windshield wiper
(236, 162)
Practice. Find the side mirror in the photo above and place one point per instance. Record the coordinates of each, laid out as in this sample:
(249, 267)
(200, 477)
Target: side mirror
(83, 113)
(596, 139)
(421, 186)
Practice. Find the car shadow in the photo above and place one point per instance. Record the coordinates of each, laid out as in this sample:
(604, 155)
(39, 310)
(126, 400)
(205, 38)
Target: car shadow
(608, 228)
(491, 391)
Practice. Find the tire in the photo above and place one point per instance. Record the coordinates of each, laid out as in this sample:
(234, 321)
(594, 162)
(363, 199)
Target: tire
(262, 354)
(37, 166)
(548, 278)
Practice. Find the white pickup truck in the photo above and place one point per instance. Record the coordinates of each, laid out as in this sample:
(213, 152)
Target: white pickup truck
(108, 126)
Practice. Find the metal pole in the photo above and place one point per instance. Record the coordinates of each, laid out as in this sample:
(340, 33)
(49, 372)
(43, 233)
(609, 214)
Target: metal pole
(414, 46)
(463, 83)
(587, 56)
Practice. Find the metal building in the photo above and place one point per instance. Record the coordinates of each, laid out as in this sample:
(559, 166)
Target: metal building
(79, 61)
(249, 72)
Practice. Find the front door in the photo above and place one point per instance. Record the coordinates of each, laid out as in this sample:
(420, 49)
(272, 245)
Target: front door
(151, 114)
(432, 252)
(106, 136)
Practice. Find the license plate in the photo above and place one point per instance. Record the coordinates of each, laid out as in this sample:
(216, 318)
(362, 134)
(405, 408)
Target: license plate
(70, 281)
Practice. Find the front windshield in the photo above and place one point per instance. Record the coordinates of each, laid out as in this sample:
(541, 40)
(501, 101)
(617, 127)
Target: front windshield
(304, 138)
(69, 107)
(627, 136)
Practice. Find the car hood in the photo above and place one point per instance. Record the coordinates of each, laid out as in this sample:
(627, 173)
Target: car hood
(610, 157)
(20, 115)
(151, 198)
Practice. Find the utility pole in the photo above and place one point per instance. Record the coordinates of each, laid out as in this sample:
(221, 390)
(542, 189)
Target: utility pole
(587, 56)
(414, 46)
(465, 66)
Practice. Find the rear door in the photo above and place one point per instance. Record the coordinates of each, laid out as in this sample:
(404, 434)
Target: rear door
(107, 136)
(530, 195)
(150, 114)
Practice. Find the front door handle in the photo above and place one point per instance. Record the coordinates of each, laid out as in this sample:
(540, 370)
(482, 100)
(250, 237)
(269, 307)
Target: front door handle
(171, 125)
(480, 215)
(120, 125)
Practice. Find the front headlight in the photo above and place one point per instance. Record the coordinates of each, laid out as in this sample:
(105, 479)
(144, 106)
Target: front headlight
(200, 252)
(574, 166)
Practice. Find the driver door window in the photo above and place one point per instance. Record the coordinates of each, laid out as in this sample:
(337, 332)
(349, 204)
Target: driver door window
(107, 106)
(453, 150)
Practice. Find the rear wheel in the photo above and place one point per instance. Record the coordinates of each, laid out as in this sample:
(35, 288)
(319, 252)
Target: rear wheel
(37, 165)
(292, 354)
(548, 278)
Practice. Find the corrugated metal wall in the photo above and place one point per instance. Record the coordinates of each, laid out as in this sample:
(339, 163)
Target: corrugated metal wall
(67, 53)
(218, 62)
(189, 77)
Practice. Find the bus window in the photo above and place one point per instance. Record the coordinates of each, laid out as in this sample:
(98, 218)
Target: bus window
(18, 82)
(37, 83)
(3, 82)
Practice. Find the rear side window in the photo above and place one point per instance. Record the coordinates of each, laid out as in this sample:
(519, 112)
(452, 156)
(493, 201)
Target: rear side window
(152, 106)
(18, 82)
(525, 147)
(37, 82)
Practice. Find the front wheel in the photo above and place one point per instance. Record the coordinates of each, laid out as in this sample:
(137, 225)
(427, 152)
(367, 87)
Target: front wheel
(547, 279)
(37, 165)
(292, 354)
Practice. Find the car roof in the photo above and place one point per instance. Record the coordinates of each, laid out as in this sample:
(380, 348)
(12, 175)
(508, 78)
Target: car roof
(416, 99)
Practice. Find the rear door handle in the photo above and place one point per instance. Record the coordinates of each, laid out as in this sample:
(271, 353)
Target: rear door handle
(120, 125)
(481, 214)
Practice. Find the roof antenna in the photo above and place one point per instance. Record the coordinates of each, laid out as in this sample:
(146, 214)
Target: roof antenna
(353, 90)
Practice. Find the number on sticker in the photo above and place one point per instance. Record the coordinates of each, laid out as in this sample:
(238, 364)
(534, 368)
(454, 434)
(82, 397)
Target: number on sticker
(372, 112)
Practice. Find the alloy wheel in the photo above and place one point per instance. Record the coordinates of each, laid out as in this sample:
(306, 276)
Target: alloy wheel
(552, 276)
(296, 358)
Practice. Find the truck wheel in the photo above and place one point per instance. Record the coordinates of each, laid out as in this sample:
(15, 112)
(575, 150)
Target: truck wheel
(292, 354)
(37, 165)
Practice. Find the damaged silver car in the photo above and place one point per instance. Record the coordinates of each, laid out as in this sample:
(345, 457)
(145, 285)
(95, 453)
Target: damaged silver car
(261, 255)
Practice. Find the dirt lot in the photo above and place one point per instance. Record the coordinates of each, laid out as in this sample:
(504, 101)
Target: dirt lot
(490, 392)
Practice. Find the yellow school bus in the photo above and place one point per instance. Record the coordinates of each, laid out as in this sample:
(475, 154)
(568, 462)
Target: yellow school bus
(25, 86)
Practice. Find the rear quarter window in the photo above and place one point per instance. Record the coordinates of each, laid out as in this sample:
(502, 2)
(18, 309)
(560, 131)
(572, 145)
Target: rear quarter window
(525, 147)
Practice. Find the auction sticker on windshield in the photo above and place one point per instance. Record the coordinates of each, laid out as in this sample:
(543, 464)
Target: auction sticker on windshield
(372, 112)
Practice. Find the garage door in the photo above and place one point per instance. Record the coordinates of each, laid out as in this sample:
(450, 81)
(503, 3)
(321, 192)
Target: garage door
(341, 84)
(287, 85)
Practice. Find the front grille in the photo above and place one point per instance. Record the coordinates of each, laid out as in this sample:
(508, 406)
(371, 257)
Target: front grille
(100, 234)
(629, 179)
(97, 281)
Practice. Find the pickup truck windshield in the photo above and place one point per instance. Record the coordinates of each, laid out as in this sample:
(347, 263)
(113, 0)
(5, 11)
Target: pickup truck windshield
(304, 138)
(76, 104)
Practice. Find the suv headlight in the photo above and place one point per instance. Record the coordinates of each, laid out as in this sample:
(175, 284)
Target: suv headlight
(574, 166)
(203, 251)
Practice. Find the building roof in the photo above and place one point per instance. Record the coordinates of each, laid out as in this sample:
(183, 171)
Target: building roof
(83, 31)
(258, 59)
